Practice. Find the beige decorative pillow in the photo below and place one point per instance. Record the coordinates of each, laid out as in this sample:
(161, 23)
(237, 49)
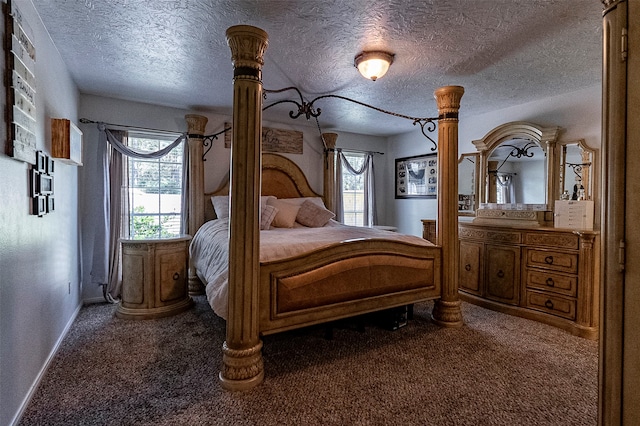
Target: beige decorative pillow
(299, 200)
(267, 216)
(312, 215)
(286, 215)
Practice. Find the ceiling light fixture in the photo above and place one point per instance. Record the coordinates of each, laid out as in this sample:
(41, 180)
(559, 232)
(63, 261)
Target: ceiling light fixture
(374, 64)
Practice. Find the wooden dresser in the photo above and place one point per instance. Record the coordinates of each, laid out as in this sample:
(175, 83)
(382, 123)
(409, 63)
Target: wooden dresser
(545, 274)
(154, 278)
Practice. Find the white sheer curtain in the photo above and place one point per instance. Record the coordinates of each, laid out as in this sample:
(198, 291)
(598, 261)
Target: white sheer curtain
(505, 188)
(370, 217)
(112, 212)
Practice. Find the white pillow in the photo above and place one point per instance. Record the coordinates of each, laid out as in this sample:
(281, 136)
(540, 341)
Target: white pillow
(221, 204)
(286, 215)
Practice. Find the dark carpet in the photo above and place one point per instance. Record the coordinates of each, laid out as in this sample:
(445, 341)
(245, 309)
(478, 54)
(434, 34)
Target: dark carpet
(495, 370)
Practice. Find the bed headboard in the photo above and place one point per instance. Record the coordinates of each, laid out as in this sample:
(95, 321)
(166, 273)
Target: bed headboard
(281, 178)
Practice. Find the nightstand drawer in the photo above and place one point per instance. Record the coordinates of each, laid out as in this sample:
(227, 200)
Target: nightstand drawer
(548, 281)
(553, 260)
(556, 305)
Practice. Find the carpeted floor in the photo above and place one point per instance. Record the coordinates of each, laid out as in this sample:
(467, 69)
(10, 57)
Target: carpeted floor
(495, 370)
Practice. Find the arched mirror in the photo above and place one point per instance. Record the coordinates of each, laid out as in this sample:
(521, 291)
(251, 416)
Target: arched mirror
(468, 171)
(516, 166)
(576, 172)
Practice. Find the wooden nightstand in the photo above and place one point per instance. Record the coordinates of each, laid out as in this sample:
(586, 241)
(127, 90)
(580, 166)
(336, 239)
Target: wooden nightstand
(154, 278)
(429, 230)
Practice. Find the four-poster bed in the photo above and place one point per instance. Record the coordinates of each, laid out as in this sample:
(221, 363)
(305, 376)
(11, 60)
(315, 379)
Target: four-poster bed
(320, 278)
(338, 280)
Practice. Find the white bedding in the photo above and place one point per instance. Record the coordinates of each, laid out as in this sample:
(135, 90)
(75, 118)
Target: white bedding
(210, 250)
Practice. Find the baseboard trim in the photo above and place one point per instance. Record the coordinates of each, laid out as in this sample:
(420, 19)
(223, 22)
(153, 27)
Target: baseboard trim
(43, 370)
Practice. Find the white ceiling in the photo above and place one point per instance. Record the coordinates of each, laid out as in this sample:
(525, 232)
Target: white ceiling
(174, 52)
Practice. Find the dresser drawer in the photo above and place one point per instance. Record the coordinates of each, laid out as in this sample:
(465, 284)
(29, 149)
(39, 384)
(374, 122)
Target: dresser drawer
(553, 260)
(548, 281)
(556, 305)
(552, 239)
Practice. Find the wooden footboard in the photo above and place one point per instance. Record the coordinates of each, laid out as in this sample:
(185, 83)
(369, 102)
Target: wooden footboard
(350, 278)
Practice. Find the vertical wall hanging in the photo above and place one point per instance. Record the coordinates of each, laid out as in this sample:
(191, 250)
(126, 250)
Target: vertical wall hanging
(20, 83)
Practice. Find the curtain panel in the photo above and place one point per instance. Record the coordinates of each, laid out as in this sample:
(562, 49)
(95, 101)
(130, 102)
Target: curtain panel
(367, 170)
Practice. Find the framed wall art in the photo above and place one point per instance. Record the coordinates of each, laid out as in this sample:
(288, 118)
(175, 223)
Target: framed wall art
(42, 184)
(417, 176)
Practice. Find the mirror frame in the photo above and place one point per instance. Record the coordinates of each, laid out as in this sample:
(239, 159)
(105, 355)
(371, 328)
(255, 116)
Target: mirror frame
(476, 182)
(593, 178)
(545, 137)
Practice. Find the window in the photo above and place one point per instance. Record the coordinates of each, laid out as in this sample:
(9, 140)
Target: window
(353, 188)
(155, 201)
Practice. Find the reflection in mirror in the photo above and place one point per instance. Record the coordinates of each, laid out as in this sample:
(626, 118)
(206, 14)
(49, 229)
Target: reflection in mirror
(517, 173)
(576, 171)
(533, 185)
(468, 167)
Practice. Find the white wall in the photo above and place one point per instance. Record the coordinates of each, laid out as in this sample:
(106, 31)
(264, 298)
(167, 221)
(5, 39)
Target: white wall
(578, 113)
(406, 213)
(39, 257)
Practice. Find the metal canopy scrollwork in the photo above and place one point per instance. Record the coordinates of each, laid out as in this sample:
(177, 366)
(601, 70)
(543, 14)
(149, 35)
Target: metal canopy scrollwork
(577, 168)
(308, 110)
(207, 141)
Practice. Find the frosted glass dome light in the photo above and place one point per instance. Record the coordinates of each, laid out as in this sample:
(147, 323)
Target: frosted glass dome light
(373, 65)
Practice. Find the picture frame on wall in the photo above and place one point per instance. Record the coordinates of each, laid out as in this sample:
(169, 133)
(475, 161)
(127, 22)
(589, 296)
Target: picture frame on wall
(41, 162)
(35, 182)
(46, 184)
(417, 176)
(39, 205)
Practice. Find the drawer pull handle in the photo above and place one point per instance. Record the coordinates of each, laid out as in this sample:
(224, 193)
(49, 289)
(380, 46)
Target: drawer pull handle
(467, 267)
(548, 260)
(500, 274)
(176, 276)
(548, 304)
(550, 282)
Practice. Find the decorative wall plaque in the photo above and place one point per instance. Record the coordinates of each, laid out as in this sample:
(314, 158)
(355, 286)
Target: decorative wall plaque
(20, 54)
(273, 140)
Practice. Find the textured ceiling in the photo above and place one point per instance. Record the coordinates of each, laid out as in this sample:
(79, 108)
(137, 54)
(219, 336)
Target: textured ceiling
(174, 52)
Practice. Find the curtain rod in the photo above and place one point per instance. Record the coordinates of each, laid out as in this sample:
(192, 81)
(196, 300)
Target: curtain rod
(355, 150)
(87, 121)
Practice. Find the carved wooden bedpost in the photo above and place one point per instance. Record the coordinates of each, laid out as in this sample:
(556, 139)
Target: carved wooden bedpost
(330, 191)
(242, 350)
(195, 129)
(446, 311)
